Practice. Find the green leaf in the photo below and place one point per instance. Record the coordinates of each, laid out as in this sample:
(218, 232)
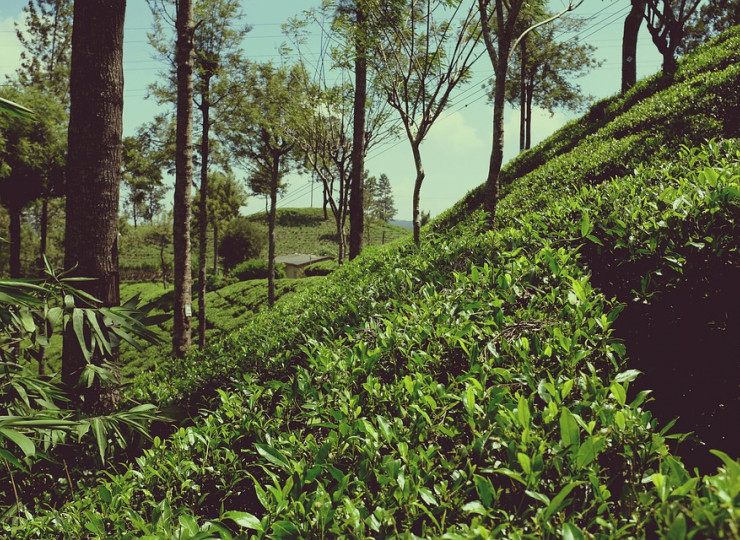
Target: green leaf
(475, 507)
(525, 462)
(100, 436)
(569, 431)
(619, 393)
(285, 528)
(627, 376)
(273, 456)
(385, 428)
(571, 532)
(678, 528)
(244, 519)
(188, 524)
(78, 325)
(588, 451)
(522, 412)
(20, 439)
(558, 501)
(29, 325)
(105, 494)
(14, 109)
(586, 226)
(427, 496)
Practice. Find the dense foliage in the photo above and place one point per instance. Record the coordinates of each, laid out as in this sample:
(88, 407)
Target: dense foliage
(474, 385)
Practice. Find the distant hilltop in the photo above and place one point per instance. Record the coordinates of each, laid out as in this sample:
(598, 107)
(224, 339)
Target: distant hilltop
(406, 224)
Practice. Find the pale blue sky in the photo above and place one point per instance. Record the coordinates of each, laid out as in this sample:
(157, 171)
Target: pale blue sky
(456, 151)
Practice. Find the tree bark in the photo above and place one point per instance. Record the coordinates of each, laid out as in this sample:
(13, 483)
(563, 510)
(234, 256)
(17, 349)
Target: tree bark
(523, 97)
(497, 150)
(44, 228)
(94, 164)
(203, 225)
(356, 195)
(417, 189)
(215, 247)
(530, 96)
(14, 230)
(632, 24)
(274, 179)
(183, 179)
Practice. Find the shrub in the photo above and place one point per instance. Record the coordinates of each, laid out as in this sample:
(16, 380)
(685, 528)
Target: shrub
(323, 268)
(255, 269)
(241, 241)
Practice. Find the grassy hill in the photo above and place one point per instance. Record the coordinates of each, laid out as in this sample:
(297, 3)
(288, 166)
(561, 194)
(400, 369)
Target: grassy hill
(486, 383)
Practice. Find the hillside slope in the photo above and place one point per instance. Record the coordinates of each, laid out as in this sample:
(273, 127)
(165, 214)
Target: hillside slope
(477, 385)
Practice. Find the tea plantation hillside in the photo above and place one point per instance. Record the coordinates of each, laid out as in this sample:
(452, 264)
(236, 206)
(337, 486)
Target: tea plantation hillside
(298, 230)
(482, 384)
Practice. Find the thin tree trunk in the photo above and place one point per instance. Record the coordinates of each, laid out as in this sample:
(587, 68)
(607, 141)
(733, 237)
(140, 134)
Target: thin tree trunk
(44, 228)
(356, 195)
(215, 247)
(14, 230)
(326, 201)
(417, 189)
(530, 96)
(632, 24)
(94, 168)
(523, 118)
(497, 152)
(275, 177)
(183, 179)
(203, 225)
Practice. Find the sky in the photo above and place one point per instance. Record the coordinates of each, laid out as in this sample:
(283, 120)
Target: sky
(456, 151)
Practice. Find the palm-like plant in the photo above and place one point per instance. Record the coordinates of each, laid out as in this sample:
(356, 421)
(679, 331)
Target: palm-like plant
(14, 109)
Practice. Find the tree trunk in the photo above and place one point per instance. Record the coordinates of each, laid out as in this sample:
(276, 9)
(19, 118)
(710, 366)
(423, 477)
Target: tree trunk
(497, 151)
(326, 201)
(94, 166)
(356, 195)
(530, 96)
(215, 247)
(44, 228)
(417, 189)
(274, 179)
(14, 230)
(629, 44)
(203, 225)
(162, 263)
(523, 118)
(183, 179)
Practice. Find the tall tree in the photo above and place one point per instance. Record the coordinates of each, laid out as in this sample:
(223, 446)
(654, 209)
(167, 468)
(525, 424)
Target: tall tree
(547, 69)
(94, 163)
(500, 28)
(324, 135)
(632, 24)
(379, 198)
(665, 21)
(46, 37)
(142, 176)
(31, 159)
(261, 134)
(356, 217)
(47, 42)
(226, 196)
(218, 36)
(182, 309)
(711, 19)
(426, 51)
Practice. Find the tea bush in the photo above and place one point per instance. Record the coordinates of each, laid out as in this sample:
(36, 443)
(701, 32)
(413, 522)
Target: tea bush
(255, 269)
(471, 386)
